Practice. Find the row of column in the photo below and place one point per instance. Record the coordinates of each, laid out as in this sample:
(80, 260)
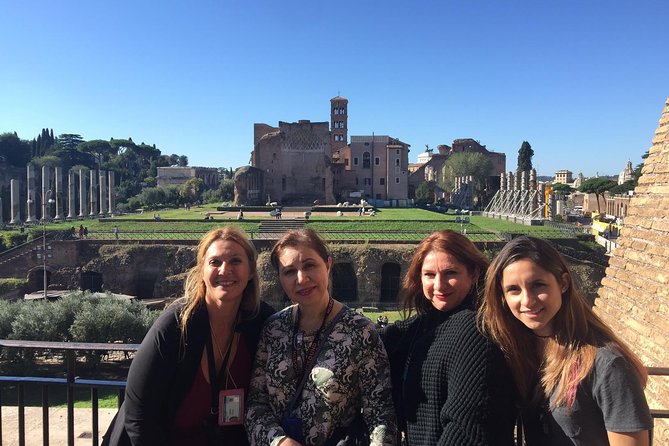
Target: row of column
(525, 180)
(89, 193)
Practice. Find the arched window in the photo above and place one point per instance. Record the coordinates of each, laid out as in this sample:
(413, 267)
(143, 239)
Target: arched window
(344, 283)
(366, 160)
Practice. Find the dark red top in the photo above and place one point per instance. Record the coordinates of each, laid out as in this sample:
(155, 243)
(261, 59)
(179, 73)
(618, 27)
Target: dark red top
(195, 407)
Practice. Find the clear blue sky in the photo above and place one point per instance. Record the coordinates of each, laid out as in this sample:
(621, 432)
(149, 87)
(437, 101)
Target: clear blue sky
(583, 81)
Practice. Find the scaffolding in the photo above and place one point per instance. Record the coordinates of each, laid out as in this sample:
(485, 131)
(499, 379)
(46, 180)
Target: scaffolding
(520, 199)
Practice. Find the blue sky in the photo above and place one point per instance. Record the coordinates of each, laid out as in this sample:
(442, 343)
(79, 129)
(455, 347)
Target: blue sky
(584, 82)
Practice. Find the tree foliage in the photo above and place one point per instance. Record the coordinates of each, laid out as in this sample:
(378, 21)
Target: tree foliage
(525, 154)
(597, 186)
(476, 165)
(13, 150)
(425, 193)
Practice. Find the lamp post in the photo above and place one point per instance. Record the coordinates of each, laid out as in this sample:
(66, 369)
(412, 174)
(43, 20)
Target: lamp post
(46, 201)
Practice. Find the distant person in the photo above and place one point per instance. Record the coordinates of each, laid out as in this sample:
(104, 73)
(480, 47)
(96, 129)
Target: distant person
(85, 231)
(116, 232)
(578, 383)
(81, 231)
(450, 383)
(240, 215)
(203, 344)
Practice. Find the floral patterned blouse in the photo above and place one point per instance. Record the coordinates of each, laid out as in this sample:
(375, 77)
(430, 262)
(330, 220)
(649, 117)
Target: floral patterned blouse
(350, 373)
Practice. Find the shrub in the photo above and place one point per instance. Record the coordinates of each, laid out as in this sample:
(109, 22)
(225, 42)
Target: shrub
(14, 238)
(7, 315)
(11, 284)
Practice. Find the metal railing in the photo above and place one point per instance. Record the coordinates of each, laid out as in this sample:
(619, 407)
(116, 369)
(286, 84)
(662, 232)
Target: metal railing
(71, 382)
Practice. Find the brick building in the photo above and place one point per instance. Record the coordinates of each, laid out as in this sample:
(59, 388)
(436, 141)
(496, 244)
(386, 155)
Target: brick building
(303, 162)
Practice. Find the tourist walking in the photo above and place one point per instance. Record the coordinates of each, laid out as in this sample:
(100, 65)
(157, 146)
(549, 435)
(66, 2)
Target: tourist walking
(116, 232)
(321, 374)
(197, 356)
(578, 383)
(450, 383)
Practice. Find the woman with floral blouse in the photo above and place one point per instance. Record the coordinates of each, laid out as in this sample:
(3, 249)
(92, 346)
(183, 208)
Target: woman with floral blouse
(320, 368)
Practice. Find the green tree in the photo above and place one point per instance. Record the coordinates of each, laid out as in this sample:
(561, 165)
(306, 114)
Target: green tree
(562, 189)
(425, 193)
(99, 149)
(183, 161)
(13, 150)
(476, 165)
(525, 154)
(191, 190)
(69, 140)
(597, 186)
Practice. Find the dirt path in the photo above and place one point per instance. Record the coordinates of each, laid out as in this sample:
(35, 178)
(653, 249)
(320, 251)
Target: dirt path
(57, 425)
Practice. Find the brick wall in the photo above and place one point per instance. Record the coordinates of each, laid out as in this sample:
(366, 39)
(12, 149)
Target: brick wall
(634, 296)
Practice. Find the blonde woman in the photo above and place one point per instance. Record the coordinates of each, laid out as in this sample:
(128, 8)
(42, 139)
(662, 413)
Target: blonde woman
(197, 356)
(579, 384)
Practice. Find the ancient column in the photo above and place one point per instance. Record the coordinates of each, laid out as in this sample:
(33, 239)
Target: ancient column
(103, 192)
(14, 203)
(59, 193)
(70, 195)
(511, 183)
(112, 193)
(83, 201)
(46, 180)
(94, 193)
(502, 181)
(30, 211)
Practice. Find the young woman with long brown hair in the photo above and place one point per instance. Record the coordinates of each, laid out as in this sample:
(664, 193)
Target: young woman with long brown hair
(579, 384)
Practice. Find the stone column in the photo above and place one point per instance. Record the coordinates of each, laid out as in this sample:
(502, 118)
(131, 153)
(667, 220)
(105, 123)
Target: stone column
(511, 182)
(502, 181)
(30, 211)
(103, 192)
(15, 205)
(112, 193)
(59, 193)
(83, 201)
(70, 195)
(46, 179)
(523, 180)
(94, 193)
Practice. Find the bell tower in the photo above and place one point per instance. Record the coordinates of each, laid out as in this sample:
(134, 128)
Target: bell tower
(338, 122)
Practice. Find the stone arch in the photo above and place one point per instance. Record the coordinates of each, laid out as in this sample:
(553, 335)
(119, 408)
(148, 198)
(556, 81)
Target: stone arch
(91, 281)
(36, 278)
(344, 282)
(390, 282)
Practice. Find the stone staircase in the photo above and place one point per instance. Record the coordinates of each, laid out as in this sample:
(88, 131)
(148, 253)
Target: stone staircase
(280, 226)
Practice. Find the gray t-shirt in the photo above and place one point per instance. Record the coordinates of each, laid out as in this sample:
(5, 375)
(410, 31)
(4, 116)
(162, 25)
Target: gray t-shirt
(611, 398)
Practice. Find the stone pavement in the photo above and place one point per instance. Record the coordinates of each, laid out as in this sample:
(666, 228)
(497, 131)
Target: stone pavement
(57, 425)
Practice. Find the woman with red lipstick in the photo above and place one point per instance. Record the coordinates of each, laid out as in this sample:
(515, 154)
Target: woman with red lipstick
(450, 384)
(578, 383)
(187, 382)
(320, 368)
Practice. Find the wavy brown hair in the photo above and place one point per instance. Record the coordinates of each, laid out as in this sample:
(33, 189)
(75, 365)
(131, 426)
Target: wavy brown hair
(195, 288)
(570, 353)
(451, 242)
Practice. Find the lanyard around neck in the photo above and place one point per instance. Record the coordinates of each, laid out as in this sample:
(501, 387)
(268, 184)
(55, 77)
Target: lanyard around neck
(214, 377)
(314, 344)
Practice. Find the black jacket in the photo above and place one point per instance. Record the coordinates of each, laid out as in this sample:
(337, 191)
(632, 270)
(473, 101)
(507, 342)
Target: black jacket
(162, 373)
(456, 389)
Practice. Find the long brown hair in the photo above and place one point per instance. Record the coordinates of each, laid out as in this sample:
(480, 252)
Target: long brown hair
(453, 243)
(570, 352)
(195, 288)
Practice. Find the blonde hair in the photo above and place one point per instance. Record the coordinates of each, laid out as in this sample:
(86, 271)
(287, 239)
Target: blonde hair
(570, 352)
(195, 288)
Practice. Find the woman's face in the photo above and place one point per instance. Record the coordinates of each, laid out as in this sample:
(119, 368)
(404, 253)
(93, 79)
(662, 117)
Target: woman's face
(304, 276)
(533, 295)
(446, 281)
(226, 271)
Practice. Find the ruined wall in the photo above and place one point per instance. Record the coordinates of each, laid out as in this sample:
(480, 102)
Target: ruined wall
(634, 297)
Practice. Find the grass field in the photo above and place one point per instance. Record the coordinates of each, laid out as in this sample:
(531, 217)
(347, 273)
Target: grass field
(406, 223)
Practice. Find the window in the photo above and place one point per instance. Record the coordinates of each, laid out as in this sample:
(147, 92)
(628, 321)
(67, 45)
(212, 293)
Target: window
(397, 162)
(397, 152)
(368, 181)
(377, 160)
(341, 124)
(397, 180)
(366, 160)
(345, 161)
(336, 111)
(342, 111)
(336, 124)
(382, 181)
(355, 160)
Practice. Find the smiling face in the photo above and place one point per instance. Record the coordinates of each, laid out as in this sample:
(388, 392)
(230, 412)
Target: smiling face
(533, 295)
(304, 275)
(226, 271)
(446, 281)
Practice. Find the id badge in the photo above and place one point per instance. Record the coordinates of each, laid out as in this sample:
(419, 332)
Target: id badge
(231, 407)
